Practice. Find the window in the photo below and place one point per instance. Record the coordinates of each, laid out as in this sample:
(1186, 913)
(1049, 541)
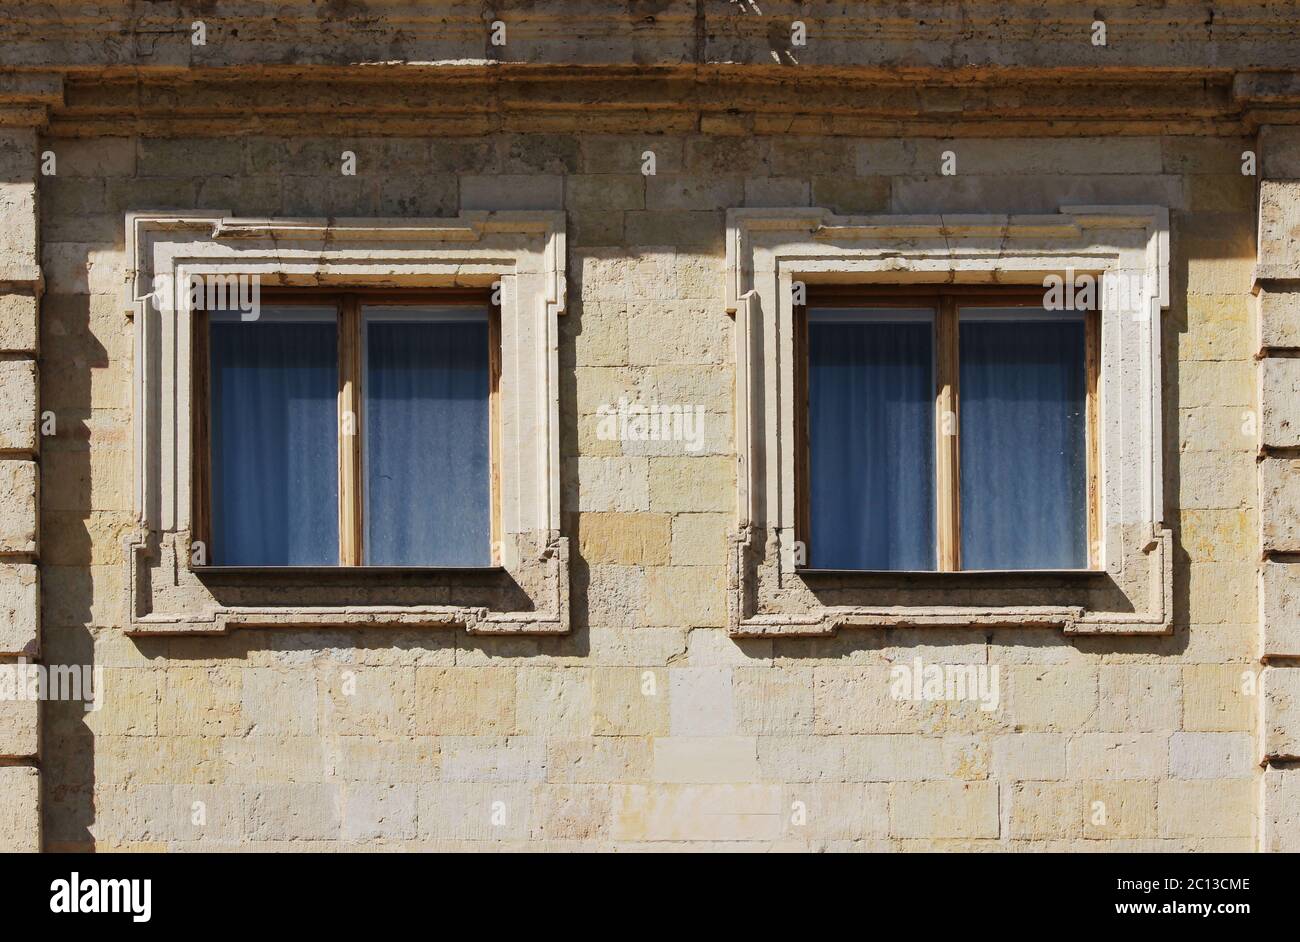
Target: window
(348, 429)
(1002, 465)
(949, 429)
(424, 494)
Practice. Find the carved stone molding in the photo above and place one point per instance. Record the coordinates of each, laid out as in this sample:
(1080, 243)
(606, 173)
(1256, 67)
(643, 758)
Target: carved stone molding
(769, 250)
(522, 251)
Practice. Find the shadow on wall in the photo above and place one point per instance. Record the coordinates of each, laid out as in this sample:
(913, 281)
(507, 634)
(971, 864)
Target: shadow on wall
(72, 578)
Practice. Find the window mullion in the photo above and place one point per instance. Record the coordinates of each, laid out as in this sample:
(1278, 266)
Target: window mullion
(947, 439)
(349, 437)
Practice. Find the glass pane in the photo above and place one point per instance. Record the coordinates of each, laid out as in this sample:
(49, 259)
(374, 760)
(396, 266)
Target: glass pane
(427, 489)
(871, 438)
(1023, 439)
(274, 437)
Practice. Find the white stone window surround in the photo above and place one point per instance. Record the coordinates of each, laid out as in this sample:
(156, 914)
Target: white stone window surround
(524, 251)
(768, 250)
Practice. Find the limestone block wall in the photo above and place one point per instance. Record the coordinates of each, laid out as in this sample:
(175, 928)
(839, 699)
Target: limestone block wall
(1277, 286)
(648, 725)
(19, 444)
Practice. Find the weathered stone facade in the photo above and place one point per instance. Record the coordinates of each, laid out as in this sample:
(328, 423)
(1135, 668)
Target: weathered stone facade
(648, 723)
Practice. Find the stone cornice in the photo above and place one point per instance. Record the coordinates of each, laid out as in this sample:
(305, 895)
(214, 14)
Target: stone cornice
(471, 100)
(140, 34)
(27, 97)
(389, 66)
(864, 94)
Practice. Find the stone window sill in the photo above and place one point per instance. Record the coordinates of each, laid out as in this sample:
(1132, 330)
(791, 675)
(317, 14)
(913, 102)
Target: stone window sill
(359, 573)
(962, 575)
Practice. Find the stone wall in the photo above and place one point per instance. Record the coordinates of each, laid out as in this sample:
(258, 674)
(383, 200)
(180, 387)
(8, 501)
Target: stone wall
(653, 34)
(1277, 287)
(648, 725)
(20, 284)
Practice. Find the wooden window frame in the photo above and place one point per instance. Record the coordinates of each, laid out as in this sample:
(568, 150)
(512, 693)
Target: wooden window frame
(351, 503)
(945, 300)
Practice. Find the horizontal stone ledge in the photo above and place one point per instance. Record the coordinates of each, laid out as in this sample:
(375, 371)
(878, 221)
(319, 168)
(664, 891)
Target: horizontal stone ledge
(593, 120)
(31, 88)
(1068, 620)
(19, 274)
(418, 88)
(1276, 274)
(474, 621)
(1267, 87)
(24, 116)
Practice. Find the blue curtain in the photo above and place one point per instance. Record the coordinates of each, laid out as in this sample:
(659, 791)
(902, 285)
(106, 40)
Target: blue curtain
(1023, 463)
(871, 439)
(426, 439)
(274, 388)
